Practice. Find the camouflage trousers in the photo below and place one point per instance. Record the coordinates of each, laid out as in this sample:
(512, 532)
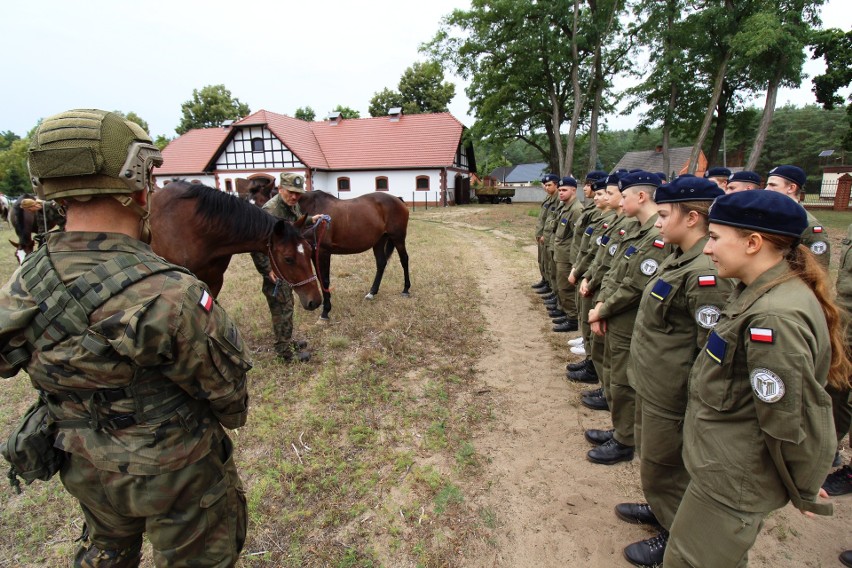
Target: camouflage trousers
(195, 516)
(281, 309)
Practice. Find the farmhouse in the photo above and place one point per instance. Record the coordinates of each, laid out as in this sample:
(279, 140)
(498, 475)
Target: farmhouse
(419, 157)
(652, 161)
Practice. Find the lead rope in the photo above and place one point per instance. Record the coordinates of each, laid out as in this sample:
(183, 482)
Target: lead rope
(319, 233)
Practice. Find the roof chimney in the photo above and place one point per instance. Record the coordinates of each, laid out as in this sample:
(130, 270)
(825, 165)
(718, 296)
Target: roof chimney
(227, 123)
(395, 113)
(334, 118)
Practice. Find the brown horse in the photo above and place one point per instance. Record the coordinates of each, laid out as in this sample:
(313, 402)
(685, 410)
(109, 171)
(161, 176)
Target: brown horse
(200, 228)
(376, 220)
(256, 190)
(39, 217)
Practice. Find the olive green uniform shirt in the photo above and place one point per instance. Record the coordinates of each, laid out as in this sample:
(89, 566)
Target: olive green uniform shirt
(758, 387)
(166, 326)
(563, 236)
(815, 238)
(608, 253)
(679, 307)
(590, 243)
(546, 206)
(587, 217)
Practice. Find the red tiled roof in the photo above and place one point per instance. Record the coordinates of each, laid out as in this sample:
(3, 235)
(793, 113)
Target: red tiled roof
(192, 152)
(414, 141)
(294, 133)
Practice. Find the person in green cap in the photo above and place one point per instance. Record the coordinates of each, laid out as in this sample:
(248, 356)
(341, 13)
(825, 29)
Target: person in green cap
(137, 364)
(279, 298)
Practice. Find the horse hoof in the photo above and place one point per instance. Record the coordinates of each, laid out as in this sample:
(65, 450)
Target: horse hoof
(369, 297)
(406, 295)
(323, 320)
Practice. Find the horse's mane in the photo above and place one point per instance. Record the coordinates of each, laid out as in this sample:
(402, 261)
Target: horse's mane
(222, 211)
(319, 194)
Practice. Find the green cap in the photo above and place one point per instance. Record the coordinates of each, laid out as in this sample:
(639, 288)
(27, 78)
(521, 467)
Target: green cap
(90, 152)
(293, 182)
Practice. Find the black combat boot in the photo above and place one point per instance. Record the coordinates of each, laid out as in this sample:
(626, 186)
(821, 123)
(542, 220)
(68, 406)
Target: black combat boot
(539, 285)
(598, 437)
(639, 513)
(611, 453)
(570, 325)
(649, 552)
(587, 375)
(579, 365)
(595, 402)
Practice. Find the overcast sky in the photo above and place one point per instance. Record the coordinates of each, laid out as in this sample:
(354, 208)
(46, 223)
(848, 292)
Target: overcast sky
(147, 57)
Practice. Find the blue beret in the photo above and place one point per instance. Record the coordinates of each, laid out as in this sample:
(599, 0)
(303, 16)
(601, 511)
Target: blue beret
(762, 211)
(689, 188)
(596, 175)
(663, 177)
(717, 172)
(550, 177)
(567, 181)
(638, 177)
(746, 176)
(612, 179)
(601, 184)
(792, 173)
(620, 171)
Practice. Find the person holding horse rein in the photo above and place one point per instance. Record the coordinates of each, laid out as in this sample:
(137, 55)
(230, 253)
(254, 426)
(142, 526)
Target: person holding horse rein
(138, 366)
(279, 297)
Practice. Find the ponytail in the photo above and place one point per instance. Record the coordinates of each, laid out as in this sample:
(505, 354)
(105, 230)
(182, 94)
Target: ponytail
(804, 266)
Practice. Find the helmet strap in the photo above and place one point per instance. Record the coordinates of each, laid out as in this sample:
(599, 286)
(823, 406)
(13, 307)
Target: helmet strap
(143, 212)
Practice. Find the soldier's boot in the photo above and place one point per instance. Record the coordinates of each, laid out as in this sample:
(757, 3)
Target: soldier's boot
(648, 552)
(299, 344)
(295, 355)
(610, 453)
(570, 325)
(598, 437)
(560, 319)
(540, 285)
(579, 365)
(93, 557)
(639, 513)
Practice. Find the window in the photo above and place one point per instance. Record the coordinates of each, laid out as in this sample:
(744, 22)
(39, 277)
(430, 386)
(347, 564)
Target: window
(423, 183)
(381, 183)
(229, 187)
(257, 144)
(343, 184)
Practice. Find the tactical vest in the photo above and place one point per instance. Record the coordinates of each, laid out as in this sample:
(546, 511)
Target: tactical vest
(65, 311)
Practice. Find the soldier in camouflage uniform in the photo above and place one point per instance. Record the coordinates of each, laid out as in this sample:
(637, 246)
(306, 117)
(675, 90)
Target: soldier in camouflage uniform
(137, 363)
(563, 238)
(279, 296)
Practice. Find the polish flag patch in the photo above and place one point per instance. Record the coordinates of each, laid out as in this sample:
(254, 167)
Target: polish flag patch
(659, 243)
(709, 280)
(606, 225)
(762, 335)
(206, 301)
(817, 229)
(621, 233)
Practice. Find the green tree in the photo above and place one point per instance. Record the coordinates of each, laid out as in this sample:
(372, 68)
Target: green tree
(346, 112)
(161, 141)
(133, 117)
(209, 107)
(383, 101)
(773, 41)
(14, 177)
(305, 113)
(835, 47)
(6, 139)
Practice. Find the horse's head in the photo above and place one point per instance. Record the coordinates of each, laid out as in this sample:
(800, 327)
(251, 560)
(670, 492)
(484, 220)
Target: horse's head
(21, 251)
(260, 190)
(290, 254)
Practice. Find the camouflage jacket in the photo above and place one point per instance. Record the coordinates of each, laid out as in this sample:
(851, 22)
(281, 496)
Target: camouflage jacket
(163, 338)
(276, 207)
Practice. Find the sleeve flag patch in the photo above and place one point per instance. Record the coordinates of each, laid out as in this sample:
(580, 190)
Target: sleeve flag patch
(206, 301)
(708, 280)
(762, 334)
(817, 229)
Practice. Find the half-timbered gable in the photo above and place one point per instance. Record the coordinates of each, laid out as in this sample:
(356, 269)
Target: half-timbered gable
(256, 148)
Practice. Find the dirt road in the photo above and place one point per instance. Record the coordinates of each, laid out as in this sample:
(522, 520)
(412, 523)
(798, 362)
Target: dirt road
(549, 506)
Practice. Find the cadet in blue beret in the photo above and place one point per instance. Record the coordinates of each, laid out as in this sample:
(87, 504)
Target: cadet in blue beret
(719, 175)
(757, 432)
(743, 181)
(790, 181)
(548, 181)
(563, 238)
(663, 177)
(614, 315)
(680, 305)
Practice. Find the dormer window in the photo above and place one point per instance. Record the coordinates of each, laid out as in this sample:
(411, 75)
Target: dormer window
(257, 144)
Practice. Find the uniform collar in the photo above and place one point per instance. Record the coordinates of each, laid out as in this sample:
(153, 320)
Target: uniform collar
(744, 296)
(687, 256)
(73, 241)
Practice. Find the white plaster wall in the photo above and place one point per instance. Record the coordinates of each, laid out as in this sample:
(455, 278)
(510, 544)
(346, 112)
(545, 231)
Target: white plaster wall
(401, 183)
(206, 179)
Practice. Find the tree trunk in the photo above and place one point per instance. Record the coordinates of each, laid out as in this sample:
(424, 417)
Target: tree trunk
(553, 134)
(667, 128)
(708, 116)
(568, 164)
(721, 124)
(765, 120)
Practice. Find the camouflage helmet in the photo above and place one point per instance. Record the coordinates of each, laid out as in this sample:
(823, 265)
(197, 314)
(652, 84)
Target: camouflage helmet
(88, 152)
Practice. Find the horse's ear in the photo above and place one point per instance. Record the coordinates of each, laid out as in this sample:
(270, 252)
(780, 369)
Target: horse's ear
(300, 223)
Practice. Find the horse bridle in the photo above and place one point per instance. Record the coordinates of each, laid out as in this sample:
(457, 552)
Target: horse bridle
(324, 221)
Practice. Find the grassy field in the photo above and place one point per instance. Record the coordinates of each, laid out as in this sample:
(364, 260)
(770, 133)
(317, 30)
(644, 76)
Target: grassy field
(365, 455)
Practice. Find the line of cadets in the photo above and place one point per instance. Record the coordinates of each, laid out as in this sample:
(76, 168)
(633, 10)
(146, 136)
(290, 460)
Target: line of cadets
(628, 270)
